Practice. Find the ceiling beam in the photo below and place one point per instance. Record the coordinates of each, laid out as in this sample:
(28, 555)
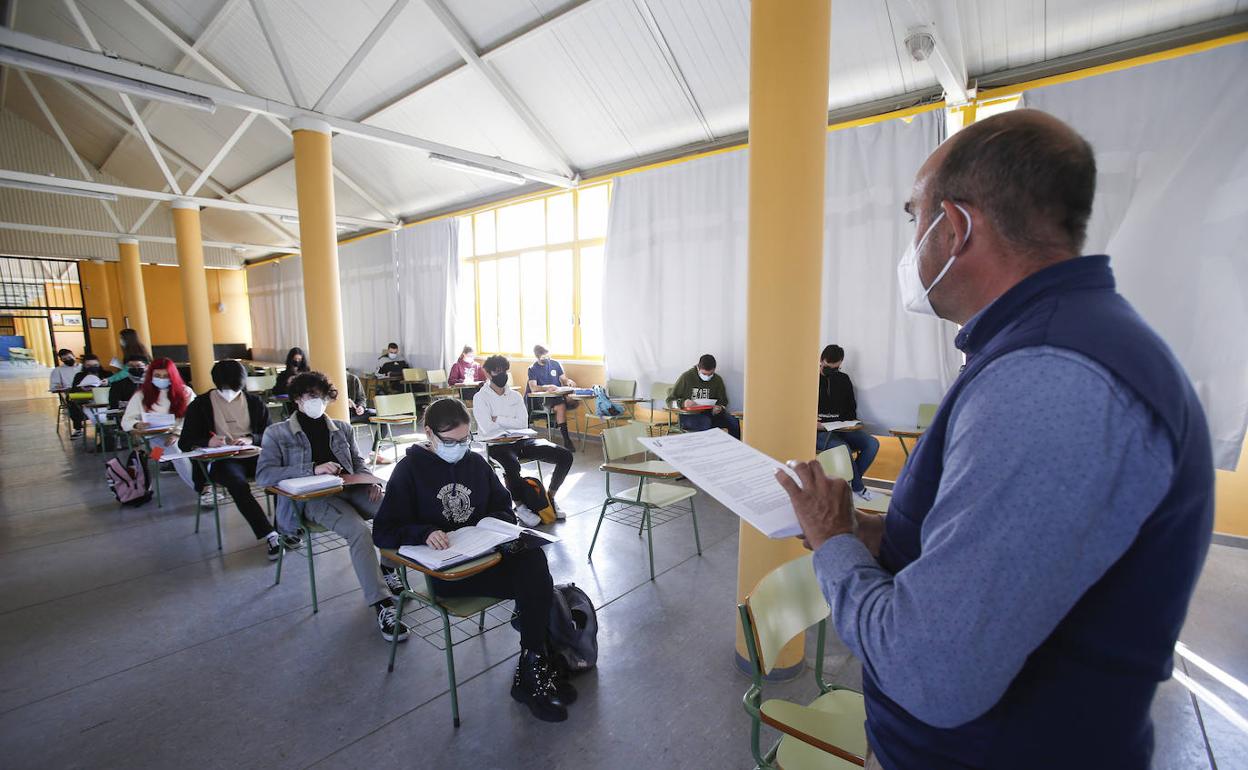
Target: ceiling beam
(20, 42)
(81, 22)
(211, 29)
(467, 51)
(656, 33)
(119, 120)
(69, 147)
(233, 138)
(269, 31)
(147, 212)
(10, 21)
(50, 230)
(210, 203)
(360, 54)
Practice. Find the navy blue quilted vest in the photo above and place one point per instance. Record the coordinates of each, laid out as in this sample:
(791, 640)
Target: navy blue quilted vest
(1082, 698)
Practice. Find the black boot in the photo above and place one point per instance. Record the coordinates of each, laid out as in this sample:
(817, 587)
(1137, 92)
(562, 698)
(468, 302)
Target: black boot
(563, 687)
(534, 684)
(567, 438)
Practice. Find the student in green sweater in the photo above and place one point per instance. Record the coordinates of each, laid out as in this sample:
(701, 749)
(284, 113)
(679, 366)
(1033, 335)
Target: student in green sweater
(702, 382)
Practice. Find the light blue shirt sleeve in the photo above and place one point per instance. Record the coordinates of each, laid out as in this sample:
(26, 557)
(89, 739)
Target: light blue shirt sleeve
(1051, 466)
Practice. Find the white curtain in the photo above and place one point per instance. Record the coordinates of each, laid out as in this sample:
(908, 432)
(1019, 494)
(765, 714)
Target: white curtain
(396, 287)
(370, 299)
(275, 297)
(1171, 210)
(427, 275)
(676, 257)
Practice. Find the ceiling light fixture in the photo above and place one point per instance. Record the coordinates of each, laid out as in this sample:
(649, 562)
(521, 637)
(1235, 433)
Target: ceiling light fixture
(476, 168)
(295, 220)
(59, 69)
(924, 46)
(56, 189)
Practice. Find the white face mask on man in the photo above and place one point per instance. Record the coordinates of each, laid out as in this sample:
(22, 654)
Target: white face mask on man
(914, 295)
(314, 408)
(228, 395)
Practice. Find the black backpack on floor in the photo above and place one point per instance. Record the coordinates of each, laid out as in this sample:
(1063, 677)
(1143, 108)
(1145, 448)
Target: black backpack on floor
(572, 631)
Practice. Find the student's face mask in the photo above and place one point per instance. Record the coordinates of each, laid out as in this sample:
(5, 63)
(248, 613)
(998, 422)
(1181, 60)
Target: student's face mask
(499, 379)
(228, 395)
(914, 295)
(449, 452)
(93, 366)
(136, 372)
(313, 407)
(706, 377)
(67, 360)
(161, 383)
(392, 356)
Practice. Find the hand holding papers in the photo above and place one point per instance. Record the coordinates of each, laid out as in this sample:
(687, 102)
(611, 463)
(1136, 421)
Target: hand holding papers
(736, 474)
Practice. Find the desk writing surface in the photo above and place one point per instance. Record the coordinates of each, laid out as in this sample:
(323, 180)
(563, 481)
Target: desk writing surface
(279, 492)
(457, 572)
(657, 469)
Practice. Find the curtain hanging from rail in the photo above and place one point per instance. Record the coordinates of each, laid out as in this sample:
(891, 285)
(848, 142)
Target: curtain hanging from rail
(1171, 210)
(676, 255)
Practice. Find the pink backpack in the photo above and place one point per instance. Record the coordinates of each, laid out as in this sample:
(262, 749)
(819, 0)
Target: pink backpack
(129, 482)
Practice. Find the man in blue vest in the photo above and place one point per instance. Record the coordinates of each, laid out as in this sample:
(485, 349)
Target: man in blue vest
(1019, 603)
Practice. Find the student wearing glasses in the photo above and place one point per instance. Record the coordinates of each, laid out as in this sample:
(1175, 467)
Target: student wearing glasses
(443, 487)
(309, 443)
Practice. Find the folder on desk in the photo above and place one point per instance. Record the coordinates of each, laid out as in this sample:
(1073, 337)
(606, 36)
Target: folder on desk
(303, 485)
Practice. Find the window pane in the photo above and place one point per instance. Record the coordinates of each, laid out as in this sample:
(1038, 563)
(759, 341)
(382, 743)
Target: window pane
(591, 301)
(559, 218)
(487, 299)
(466, 307)
(509, 305)
(591, 212)
(484, 227)
(559, 303)
(522, 225)
(533, 298)
(465, 237)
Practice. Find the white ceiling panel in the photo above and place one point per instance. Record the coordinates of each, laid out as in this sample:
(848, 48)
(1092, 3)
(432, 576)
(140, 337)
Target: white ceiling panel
(190, 17)
(278, 189)
(411, 52)
(488, 22)
(464, 111)
(241, 52)
(710, 40)
(405, 179)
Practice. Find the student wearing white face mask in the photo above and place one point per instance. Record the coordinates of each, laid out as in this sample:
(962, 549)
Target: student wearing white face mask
(309, 443)
(442, 488)
(160, 391)
(702, 383)
(228, 415)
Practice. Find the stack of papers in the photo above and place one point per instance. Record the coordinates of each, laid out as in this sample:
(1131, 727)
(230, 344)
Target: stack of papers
(468, 543)
(222, 450)
(155, 420)
(306, 484)
(735, 474)
(841, 425)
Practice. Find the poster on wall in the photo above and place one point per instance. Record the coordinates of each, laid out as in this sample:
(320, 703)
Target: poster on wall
(70, 319)
(99, 323)
(56, 320)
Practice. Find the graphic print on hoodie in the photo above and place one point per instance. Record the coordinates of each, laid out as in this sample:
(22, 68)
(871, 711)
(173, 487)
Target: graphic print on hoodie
(426, 493)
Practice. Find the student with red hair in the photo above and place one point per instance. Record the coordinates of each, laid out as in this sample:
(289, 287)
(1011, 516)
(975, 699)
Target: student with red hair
(161, 392)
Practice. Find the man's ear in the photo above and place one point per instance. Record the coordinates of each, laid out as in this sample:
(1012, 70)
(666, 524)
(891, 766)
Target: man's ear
(960, 223)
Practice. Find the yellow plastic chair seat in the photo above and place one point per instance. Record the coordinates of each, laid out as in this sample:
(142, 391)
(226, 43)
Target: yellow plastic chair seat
(656, 494)
(835, 718)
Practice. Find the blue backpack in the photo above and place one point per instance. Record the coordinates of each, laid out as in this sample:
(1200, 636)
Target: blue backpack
(603, 405)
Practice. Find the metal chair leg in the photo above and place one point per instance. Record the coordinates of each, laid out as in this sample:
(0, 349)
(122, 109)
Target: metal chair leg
(307, 546)
(450, 666)
(649, 539)
(601, 515)
(696, 540)
(481, 621)
(398, 618)
(216, 514)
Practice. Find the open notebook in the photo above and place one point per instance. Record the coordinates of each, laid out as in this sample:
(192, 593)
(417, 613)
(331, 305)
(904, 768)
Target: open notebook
(467, 543)
(841, 424)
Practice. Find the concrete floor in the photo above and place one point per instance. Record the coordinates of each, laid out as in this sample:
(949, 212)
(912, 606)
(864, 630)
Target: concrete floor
(128, 641)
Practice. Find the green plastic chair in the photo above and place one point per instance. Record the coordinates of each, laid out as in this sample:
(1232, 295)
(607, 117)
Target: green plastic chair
(654, 498)
(459, 607)
(836, 462)
(660, 418)
(827, 733)
(615, 389)
(927, 412)
(398, 405)
(309, 529)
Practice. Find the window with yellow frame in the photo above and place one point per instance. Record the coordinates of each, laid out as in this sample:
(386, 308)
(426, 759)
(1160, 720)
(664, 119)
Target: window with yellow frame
(532, 273)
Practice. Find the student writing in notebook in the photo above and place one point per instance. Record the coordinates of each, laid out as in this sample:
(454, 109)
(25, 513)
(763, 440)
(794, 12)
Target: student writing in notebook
(444, 487)
(837, 404)
(227, 415)
(466, 369)
(161, 391)
(702, 383)
(309, 443)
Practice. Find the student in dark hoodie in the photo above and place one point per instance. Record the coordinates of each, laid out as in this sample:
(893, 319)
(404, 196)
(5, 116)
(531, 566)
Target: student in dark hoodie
(444, 487)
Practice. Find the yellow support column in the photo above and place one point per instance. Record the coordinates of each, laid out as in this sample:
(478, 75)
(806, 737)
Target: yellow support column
(194, 282)
(789, 42)
(318, 238)
(133, 298)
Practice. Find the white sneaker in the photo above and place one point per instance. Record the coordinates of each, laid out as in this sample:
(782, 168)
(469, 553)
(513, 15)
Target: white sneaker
(527, 518)
(865, 495)
(205, 498)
